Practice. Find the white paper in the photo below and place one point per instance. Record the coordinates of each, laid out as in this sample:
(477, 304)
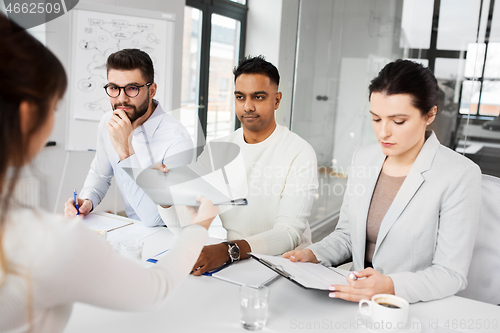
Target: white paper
(309, 275)
(104, 221)
(247, 272)
(99, 221)
(134, 231)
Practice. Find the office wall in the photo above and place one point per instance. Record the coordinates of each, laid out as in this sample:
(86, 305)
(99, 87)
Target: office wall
(341, 45)
(272, 32)
(287, 48)
(263, 29)
(60, 171)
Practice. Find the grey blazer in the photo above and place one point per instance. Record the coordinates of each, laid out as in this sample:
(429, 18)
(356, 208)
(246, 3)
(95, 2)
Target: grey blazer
(426, 238)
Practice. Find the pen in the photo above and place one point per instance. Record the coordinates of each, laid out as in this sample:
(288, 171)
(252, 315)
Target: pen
(75, 196)
(352, 276)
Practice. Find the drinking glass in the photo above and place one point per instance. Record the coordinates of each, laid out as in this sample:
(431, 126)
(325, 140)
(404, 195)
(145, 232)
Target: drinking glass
(253, 305)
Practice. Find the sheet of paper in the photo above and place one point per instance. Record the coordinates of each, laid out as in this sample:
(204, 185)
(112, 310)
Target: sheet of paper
(134, 231)
(315, 276)
(246, 272)
(104, 221)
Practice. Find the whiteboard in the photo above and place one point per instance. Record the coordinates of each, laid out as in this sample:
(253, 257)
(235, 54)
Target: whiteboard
(98, 31)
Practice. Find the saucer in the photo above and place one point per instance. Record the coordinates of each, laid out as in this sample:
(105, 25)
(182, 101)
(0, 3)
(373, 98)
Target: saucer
(412, 326)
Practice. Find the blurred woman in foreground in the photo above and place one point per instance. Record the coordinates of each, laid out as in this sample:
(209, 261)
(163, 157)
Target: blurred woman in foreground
(48, 262)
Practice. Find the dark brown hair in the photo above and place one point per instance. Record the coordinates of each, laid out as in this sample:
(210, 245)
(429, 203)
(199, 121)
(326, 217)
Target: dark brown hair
(257, 65)
(130, 59)
(408, 77)
(28, 72)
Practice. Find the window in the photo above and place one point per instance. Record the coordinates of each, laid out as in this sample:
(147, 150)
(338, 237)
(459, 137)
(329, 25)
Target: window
(214, 38)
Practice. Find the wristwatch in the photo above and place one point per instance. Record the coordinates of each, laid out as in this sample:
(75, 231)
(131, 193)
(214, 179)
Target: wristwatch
(233, 250)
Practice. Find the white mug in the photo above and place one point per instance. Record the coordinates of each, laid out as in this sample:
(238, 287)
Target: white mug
(387, 312)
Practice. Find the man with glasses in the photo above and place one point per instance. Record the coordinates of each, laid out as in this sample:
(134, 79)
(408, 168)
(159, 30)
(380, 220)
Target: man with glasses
(136, 133)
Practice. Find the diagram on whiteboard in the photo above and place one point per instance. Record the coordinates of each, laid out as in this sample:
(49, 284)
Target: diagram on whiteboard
(95, 37)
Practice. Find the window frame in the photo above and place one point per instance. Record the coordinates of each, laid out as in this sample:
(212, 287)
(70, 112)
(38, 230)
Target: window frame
(231, 10)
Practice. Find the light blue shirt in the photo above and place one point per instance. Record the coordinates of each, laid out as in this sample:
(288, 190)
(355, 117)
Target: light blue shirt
(160, 139)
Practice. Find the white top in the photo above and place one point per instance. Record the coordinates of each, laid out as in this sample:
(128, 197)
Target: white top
(281, 174)
(161, 138)
(59, 261)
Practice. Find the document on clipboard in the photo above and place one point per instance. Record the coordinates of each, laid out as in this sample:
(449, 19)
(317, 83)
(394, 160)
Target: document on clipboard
(216, 175)
(305, 274)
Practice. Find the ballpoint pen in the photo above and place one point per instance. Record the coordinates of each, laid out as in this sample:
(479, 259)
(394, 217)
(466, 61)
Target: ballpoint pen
(75, 197)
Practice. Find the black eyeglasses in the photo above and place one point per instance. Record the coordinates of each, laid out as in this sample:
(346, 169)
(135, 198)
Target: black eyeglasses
(131, 90)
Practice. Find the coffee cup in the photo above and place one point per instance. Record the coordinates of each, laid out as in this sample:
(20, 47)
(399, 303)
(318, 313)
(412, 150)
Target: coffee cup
(387, 312)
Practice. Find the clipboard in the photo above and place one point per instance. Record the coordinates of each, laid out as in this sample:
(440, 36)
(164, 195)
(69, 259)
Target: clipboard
(206, 177)
(180, 186)
(304, 274)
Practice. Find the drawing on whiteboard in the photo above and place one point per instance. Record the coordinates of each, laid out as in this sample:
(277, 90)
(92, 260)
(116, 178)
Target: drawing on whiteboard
(96, 36)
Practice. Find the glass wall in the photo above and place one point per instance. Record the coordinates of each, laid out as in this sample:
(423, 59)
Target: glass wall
(343, 44)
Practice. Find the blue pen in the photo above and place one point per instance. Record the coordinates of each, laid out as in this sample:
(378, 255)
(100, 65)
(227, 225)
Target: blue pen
(153, 260)
(75, 197)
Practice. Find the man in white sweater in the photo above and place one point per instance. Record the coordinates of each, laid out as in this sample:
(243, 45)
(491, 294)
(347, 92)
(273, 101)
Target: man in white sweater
(281, 174)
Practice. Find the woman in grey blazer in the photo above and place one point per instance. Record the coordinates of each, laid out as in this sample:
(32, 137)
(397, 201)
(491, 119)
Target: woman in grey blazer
(411, 207)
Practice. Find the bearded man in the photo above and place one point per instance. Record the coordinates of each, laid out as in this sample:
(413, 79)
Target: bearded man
(137, 130)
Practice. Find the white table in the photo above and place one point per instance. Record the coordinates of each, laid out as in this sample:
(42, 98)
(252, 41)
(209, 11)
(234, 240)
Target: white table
(205, 304)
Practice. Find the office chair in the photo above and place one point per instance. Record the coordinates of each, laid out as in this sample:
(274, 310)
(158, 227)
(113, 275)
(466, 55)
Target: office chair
(484, 272)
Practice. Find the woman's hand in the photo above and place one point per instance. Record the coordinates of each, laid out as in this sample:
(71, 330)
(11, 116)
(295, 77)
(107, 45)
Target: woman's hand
(163, 168)
(369, 283)
(205, 214)
(304, 255)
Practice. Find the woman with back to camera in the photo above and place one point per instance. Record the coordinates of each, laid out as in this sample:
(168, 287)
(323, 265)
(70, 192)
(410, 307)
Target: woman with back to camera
(48, 262)
(411, 206)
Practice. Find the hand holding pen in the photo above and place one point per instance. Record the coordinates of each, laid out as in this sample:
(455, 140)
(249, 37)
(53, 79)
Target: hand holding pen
(75, 200)
(75, 206)
(363, 285)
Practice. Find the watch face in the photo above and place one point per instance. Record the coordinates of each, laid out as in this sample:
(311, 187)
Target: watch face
(234, 252)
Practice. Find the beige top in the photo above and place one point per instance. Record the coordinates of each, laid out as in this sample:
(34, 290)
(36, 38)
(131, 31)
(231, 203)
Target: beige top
(384, 193)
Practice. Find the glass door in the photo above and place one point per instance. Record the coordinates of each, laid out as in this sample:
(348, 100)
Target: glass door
(343, 44)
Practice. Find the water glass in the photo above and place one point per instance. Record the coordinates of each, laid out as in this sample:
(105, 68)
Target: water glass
(131, 249)
(253, 305)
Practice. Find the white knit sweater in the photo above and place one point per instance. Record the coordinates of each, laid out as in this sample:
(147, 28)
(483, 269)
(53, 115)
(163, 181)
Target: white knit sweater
(281, 174)
(59, 261)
